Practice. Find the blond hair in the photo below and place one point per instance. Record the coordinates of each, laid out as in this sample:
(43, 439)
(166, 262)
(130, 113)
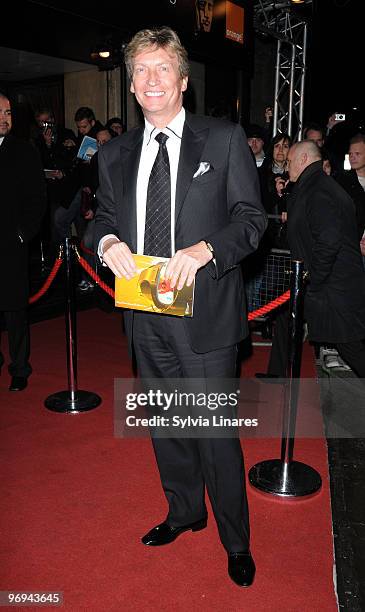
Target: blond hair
(164, 38)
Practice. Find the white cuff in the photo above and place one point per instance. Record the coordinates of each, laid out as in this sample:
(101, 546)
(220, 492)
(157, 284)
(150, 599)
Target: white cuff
(101, 244)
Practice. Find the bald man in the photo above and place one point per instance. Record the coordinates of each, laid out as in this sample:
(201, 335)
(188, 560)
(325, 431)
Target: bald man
(322, 231)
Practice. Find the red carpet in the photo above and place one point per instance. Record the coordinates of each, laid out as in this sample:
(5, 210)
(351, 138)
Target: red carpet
(76, 501)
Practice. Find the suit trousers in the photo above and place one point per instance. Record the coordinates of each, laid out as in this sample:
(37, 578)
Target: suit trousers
(278, 361)
(18, 339)
(188, 465)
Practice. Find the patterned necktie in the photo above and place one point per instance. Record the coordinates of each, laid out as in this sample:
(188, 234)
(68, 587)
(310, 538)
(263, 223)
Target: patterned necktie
(157, 233)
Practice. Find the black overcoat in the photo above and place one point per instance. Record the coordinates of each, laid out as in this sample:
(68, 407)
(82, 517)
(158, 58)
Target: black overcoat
(22, 205)
(322, 230)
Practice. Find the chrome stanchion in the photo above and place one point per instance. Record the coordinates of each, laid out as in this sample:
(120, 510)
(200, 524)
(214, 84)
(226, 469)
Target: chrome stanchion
(73, 400)
(285, 477)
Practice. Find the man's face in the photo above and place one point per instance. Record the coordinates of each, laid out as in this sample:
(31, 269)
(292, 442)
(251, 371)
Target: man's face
(84, 126)
(357, 156)
(204, 14)
(316, 136)
(117, 128)
(5, 117)
(157, 85)
(294, 165)
(256, 144)
(102, 137)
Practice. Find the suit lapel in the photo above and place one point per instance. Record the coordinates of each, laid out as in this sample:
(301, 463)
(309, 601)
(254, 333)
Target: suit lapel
(130, 156)
(192, 145)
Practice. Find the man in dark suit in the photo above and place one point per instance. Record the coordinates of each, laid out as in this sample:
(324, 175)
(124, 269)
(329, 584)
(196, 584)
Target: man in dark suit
(322, 230)
(215, 219)
(23, 203)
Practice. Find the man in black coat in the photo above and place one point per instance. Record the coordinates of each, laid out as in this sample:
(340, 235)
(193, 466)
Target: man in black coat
(322, 230)
(23, 203)
(215, 219)
(353, 181)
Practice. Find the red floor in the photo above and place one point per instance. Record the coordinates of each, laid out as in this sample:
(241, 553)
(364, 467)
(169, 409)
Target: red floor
(76, 500)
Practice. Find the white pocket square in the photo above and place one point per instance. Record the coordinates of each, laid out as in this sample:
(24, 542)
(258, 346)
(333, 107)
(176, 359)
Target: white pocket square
(203, 168)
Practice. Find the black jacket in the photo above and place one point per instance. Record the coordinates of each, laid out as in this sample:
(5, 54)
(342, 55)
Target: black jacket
(322, 231)
(349, 181)
(23, 203)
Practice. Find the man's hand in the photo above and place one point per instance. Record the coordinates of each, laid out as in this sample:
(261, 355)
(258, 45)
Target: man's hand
(268, 114)
(47, 135)
(184, 265)
(89, 215)
(119, 258)
(280, 185)
(54, 174)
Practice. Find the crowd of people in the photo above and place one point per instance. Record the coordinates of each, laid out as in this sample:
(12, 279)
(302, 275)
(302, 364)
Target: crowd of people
(71, 180)
(197, 191)
(272, 156)
(53, 197)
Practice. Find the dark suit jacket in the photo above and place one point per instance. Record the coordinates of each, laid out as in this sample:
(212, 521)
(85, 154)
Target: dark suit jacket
(322, 230)
(23, 202)
(349, 181)
(222, 206)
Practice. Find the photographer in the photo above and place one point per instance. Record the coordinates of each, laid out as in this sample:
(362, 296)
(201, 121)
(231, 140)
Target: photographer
(52, 141)
(57, 149)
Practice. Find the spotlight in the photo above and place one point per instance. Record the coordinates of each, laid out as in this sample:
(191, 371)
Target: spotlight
(108, 54)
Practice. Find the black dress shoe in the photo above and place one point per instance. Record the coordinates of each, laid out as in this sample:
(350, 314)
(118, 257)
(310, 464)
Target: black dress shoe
(18, 383)
(241, 568)
(165, 534)
(269, 378)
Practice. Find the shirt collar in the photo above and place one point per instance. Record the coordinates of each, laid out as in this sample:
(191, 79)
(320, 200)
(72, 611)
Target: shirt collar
(174, 128)
(1, 140)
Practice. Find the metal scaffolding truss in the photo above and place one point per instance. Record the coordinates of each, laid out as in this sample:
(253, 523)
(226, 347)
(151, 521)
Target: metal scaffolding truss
(282, 21)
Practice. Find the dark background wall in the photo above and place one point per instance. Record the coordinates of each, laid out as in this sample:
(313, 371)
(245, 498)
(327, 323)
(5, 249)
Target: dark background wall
(72, 31)
(335, 47)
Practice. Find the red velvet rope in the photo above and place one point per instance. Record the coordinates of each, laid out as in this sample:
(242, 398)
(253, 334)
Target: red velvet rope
(94, 276)
(48, 282)
(270, 306)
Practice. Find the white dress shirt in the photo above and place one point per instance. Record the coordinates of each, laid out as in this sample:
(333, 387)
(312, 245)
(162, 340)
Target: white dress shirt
(149, 152)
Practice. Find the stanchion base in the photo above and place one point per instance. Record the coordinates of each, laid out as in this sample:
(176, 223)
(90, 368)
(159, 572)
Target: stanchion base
(62, 402)
(293, 479)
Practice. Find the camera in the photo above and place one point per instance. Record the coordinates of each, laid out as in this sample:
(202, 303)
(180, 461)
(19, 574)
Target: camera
(47, 125)
(340, 117)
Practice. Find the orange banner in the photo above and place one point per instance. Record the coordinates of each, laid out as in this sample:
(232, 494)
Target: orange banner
(234, 22)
